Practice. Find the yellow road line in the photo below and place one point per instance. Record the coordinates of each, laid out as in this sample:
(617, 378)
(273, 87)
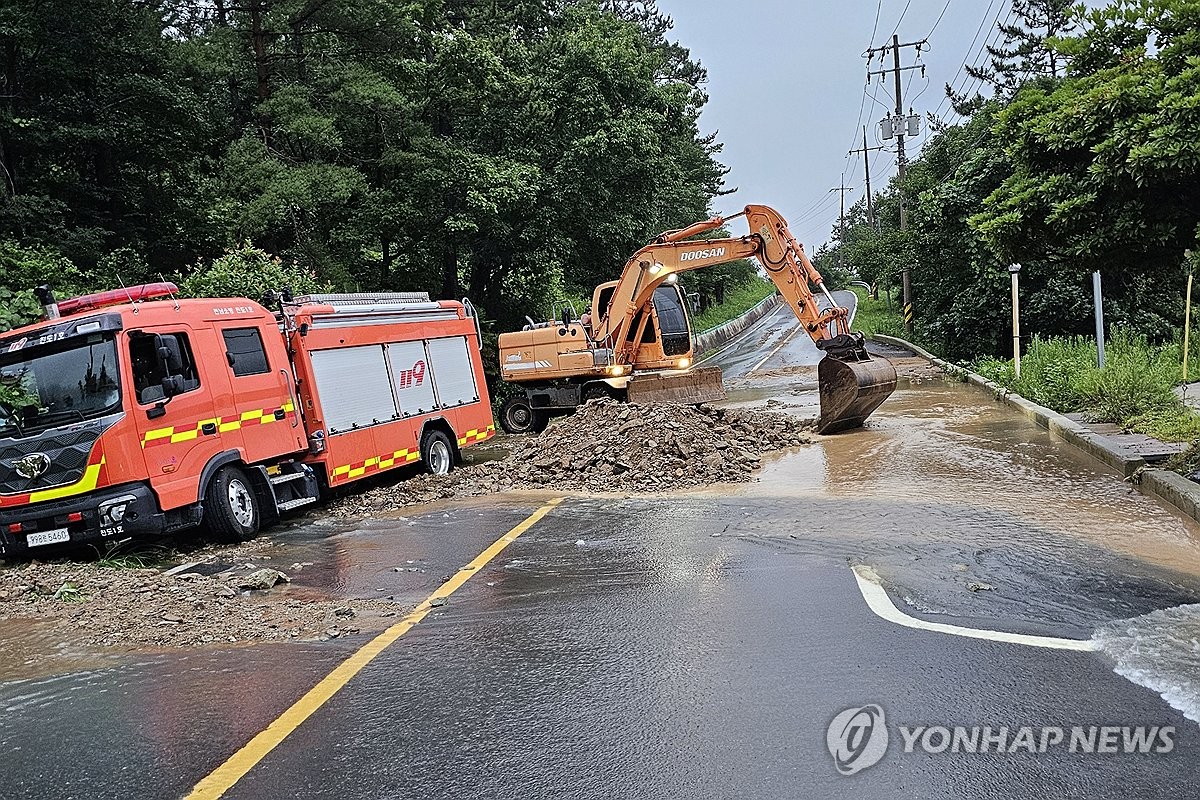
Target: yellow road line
(223, 778)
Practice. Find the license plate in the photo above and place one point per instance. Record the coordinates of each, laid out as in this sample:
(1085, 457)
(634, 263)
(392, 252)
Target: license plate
(55, 536)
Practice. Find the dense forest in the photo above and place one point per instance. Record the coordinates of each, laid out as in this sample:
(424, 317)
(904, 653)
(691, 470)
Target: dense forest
(509, 150)
(1080, 153)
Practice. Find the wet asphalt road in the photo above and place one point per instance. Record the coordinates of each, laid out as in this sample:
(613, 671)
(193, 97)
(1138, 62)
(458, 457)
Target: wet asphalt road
(695, 645)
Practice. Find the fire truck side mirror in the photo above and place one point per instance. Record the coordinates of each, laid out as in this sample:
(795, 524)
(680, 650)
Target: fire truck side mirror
(170, 363)
(172, 385)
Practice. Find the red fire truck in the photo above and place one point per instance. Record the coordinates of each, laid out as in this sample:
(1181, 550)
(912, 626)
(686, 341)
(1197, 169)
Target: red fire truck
(130, 412)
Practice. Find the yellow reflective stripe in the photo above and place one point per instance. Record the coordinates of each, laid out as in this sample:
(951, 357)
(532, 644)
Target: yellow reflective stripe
(160, 433)
(260, 414)
(380, 462)
(91, 476)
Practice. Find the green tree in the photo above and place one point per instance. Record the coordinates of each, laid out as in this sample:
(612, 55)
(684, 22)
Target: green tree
(252, 273)
(100, 133)
(1029, 50)
(1107, 164)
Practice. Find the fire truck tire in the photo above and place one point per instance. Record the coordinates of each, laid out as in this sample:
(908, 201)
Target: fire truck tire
(517, 416)
(437, 454)
(231, 510)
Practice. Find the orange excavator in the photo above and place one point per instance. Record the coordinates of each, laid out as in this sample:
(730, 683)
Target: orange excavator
(638, 346)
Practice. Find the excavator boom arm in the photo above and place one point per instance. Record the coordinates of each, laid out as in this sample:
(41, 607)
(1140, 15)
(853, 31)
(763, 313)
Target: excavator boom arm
(769, 241)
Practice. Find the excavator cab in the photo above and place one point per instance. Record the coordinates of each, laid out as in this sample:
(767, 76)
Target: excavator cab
(664, 355)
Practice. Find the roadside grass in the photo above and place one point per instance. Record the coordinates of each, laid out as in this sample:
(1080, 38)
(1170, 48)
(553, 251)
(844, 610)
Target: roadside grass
(1133, 390)
(70, 593)
(133, 555)
(738, 301)
(877, 316)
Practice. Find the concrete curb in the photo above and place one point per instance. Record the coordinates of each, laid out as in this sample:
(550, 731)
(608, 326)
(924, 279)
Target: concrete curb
(716, 336)
(1168, 486)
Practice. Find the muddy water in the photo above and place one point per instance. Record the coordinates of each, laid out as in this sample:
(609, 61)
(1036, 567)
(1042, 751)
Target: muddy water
(948, 446)
(946, 490)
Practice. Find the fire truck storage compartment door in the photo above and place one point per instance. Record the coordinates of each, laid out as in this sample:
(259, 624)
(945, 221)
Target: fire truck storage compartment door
(453, 373)
(353, 385)
(413, 378)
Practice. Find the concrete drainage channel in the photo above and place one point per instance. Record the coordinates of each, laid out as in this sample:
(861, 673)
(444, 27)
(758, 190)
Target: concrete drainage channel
(1170, 487)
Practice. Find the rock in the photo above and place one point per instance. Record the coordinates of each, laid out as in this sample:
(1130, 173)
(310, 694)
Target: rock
(261, 579)
(344, 611)
(975, 586)
(175, 618)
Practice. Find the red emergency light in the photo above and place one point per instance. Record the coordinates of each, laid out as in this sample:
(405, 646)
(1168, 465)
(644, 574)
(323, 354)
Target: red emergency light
(134, 294)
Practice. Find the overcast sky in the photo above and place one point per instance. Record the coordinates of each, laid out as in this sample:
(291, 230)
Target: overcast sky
(786, 81)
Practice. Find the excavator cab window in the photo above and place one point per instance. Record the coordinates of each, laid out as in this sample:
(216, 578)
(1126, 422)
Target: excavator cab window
(672, 321)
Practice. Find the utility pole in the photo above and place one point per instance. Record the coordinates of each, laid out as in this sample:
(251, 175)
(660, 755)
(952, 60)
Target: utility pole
(841, 190)
(865, 150)
(898, 126)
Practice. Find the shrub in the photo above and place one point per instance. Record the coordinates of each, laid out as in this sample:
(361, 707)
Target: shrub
(21, 269)
(249, 272)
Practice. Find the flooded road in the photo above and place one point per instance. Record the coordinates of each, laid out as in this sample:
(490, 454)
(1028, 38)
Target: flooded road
(693, 644)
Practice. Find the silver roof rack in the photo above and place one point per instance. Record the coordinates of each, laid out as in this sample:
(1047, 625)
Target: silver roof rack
(364, 298)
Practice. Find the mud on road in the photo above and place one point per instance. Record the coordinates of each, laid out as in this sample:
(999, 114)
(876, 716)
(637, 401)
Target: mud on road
(237, 593)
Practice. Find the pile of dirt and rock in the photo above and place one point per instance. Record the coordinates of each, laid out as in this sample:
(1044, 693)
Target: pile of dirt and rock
(608, 446)
(119, 606)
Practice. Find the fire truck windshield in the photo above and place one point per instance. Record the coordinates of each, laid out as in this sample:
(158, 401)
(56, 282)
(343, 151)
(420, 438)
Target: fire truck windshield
(44, 385)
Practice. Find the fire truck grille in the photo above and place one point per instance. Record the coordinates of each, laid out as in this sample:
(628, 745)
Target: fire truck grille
(66, 450)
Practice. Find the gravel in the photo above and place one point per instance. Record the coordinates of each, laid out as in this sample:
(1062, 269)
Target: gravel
(608, 446)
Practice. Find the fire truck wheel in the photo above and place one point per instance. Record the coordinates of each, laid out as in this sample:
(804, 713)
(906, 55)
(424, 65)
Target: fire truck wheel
(516, 416)
(230, 506)
(437, 453)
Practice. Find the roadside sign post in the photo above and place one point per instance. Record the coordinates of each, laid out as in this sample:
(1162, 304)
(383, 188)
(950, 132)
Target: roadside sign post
(1187, 316)
(1098, 298)
(1013, 270)
(1187, 328)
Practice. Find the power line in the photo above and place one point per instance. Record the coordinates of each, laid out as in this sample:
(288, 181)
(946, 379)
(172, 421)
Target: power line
(939, 20)
(974, 83)
(875, 27)
(897, 28)
(967, 57)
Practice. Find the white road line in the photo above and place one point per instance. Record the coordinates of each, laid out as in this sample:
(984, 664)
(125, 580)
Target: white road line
(780, 346)
(879, 602)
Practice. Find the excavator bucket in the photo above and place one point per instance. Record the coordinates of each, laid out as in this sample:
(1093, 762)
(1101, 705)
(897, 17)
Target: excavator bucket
(681, 388)
(851, 390)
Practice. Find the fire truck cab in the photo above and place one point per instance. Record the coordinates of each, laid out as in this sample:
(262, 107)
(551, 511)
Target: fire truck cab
(131, 413)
